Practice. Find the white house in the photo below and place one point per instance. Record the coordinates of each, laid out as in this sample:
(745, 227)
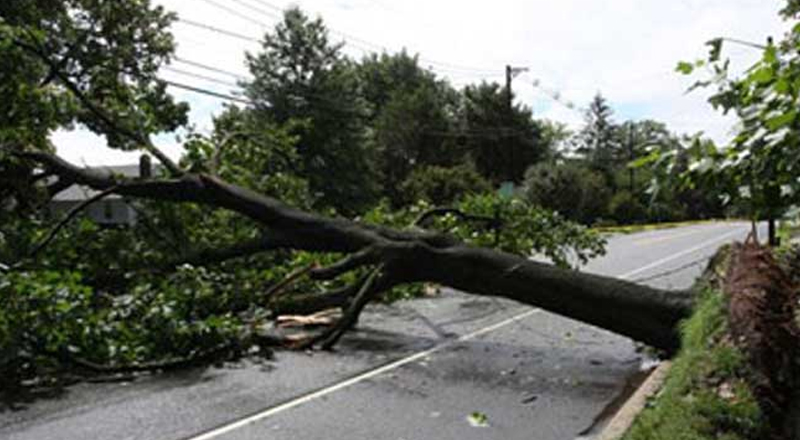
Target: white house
(111, 210)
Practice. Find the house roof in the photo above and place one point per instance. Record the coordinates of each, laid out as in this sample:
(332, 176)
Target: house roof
(78, 193)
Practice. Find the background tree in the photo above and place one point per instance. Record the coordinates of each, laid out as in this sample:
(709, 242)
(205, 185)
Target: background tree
(598, 141)
(502, 141)
(570, 187)
(299, 75)
(441, 186)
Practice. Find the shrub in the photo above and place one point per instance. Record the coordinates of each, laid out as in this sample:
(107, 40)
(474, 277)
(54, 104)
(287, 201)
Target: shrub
(573, 190)
(441, 185)
(626, 208)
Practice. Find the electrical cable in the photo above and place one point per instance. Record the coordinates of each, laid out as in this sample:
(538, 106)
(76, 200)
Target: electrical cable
(221, 31)
(235, 13)
(204, 91)
(210, 68)
(202, 77)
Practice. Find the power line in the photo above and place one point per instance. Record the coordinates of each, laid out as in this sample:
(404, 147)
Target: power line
(234, 12)
(226, 32)
(210, 68)
(489, 132)
(455, 69)
(271, 5)
(203, 91)
(258, 10)
(364, 45)
(199, 76)
(557, 96)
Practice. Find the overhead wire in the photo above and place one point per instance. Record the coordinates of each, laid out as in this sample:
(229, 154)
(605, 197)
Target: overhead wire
(449, 72)
(200, 76)
(482, 133)
(210, 68)
(218, 30)
(361, 44)
(234, 12)
(204, 91)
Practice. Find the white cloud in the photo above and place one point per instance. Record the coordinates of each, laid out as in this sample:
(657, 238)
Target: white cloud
(627, 49)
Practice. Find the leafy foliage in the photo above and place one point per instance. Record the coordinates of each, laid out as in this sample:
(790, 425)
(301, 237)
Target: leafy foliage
(324, 134)
(571, 189)
(442, 186)
(300, 76)
(524, 229)
(502, 140)
(49, 50)
(758, 170)
(599, 140)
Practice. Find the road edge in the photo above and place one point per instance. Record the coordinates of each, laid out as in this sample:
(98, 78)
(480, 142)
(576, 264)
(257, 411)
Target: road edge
(622, 420)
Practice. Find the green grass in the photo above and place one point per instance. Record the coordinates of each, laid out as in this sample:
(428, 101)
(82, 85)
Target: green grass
(630, 229)
(706, 394)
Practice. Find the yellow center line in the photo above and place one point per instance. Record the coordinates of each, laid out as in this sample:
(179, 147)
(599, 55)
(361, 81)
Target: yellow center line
(669, 237)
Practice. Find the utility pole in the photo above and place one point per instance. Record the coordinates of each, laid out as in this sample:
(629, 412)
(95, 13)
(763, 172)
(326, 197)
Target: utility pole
(630, 157)
(512, 72)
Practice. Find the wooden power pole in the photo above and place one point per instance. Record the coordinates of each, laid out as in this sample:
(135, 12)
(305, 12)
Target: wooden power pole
(511, 72)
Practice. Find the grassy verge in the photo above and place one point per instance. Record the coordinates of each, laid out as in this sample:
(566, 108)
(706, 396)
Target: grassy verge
(630, 229)
(706, 395)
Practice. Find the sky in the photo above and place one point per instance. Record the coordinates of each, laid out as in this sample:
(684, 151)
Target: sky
(625, 49)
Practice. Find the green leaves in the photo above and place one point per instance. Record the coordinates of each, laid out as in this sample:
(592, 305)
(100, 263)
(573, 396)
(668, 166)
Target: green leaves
(685, 68)
(478, 420)
(765, 99)
(781, 120)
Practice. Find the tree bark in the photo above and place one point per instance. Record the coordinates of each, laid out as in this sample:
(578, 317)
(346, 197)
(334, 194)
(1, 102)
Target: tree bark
(642, 313)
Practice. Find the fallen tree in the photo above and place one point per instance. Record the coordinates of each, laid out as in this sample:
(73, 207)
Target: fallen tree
(397, 257)
(80, 63)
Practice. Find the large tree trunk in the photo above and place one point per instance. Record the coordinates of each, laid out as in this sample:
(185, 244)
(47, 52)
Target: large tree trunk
(645, 314)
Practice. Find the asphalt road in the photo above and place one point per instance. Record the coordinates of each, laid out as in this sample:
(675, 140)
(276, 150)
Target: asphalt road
(414, 370)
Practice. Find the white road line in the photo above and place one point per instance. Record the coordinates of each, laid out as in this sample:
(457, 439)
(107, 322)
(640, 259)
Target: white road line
(214, 433)
(356, 379)
(681, 254)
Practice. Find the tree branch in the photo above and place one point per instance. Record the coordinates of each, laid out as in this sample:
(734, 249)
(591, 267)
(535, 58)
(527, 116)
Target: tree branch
(57, 72)
(203, 257)
(646, 314)
(438, 212)
(70, 215)
(284, 284)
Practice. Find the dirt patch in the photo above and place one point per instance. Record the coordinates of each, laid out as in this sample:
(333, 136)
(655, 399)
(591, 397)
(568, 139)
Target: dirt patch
(762, 309)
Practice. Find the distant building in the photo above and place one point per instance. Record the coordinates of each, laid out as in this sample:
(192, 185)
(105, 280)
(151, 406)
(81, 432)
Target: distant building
(112, 210)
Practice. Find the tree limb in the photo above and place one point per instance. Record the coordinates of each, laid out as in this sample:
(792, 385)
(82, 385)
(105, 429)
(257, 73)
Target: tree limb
(491, 222)
(56, 70)
(646, 314)
(266, 242)
(292, 278)
(70, 215)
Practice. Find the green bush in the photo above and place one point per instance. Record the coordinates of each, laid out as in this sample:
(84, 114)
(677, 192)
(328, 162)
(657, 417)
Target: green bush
(442, 186)
(626, 208)
(573, 190)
